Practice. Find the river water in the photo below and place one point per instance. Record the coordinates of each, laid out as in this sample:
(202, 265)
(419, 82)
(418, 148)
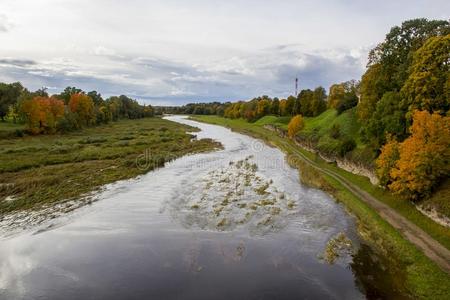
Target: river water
(230, 224)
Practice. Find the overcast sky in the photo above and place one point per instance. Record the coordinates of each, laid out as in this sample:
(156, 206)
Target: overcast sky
(173, 52)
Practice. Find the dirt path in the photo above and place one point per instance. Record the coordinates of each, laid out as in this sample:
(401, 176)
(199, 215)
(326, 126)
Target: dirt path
(430, 247)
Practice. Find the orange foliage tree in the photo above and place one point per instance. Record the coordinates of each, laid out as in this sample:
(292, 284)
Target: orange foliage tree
(295, 125)
(42, 113)
(82, 105)
(424, 157)
(387, 160)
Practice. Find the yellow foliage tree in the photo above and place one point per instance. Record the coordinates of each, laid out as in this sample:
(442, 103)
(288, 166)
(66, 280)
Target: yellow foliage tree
(424, 157)
(387, 160)
(337, 92)
(42, 113)
(83, 106)
(295, 125)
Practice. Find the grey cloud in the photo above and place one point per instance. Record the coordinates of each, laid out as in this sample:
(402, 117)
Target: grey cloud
(17, 62)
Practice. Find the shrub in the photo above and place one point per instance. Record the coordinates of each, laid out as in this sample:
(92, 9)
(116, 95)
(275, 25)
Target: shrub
(295, 125)
(347, 145)
(335, 131)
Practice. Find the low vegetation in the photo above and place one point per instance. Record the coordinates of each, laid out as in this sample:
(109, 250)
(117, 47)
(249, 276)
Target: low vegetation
(45, 169)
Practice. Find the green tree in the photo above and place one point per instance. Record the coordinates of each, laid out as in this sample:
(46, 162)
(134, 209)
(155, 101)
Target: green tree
(9, 95)
(289, 107)
(388, 119)
(275, 109)
(68, 92)
(96, 97)
(319, 103)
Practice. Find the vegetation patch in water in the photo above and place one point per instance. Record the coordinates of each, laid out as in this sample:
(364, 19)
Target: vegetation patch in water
(336, 247)
(236, 195)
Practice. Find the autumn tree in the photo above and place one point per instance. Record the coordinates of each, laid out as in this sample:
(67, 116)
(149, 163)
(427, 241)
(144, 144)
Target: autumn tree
(374, 83)
(295, 125)
(387, 160)
(263, 108)
(336, 94)
(83, 106)
(343, 95)
(42, 113)
(283, 110)
(424, 157)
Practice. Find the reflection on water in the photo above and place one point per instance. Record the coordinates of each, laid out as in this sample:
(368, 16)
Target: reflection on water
(135, 244)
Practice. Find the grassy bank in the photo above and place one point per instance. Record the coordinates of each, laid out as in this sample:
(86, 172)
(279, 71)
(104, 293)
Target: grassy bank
(422, 278)
(37, 170)
(321, 126)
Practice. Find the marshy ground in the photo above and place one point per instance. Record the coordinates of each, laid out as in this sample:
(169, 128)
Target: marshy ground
(40, 171)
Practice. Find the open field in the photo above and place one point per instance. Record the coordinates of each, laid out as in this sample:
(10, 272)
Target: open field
(37, 170)
(372, 227)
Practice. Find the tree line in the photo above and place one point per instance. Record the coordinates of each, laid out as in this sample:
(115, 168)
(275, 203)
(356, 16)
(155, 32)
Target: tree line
(308, 102)
(69, 110)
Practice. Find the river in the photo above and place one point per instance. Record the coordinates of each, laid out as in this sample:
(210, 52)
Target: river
(231, 224)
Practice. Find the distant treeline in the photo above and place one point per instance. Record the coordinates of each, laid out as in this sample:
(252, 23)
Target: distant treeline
(70, 110)
(308, 103)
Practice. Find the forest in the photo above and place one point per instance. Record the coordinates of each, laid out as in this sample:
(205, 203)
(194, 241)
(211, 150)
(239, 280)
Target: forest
(398, 110)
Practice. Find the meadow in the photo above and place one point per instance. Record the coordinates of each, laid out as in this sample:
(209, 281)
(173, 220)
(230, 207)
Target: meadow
(45, 169)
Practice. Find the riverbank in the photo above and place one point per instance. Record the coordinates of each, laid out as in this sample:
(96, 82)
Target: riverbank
(38, 171)
(373, 228)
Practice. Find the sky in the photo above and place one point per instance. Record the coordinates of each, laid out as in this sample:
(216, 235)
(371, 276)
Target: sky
(173, 52)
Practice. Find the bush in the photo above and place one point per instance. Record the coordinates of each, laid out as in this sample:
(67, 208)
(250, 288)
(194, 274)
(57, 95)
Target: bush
(19, 133)
(335, 131)
(350, 100)
(68, 123)
(347, 145)
(295, 125)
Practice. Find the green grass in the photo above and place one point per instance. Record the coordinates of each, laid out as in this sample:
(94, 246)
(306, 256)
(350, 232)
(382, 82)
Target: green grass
(43, 169)
(9, 129)
(281, 122)
(436, 283)
(318, 130)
